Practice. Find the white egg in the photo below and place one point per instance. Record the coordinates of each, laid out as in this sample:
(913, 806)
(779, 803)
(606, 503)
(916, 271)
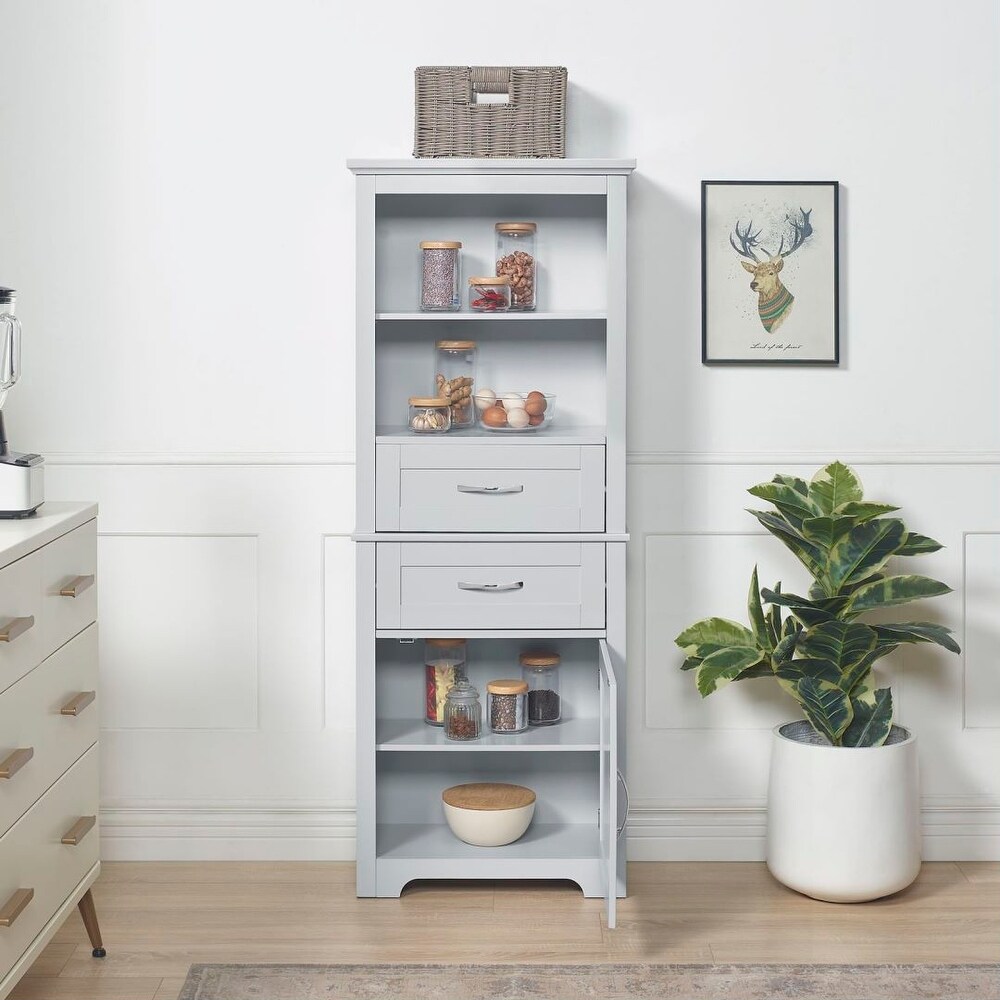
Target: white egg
(517, 417)
(485, 398)
(512, 400)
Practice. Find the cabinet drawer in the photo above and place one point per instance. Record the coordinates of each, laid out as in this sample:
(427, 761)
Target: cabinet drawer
(32, 856)
(69, 566)
(467, 487)
(32, 719)
(488, 585)
(23, 645)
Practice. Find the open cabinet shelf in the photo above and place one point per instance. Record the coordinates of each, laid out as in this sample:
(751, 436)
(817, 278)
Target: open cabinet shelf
(576, 735)
(486, 317)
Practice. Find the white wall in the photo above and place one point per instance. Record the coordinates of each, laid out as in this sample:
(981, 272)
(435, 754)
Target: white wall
(175, 209)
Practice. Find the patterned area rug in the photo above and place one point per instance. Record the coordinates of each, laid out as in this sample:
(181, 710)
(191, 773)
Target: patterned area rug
(608, 982)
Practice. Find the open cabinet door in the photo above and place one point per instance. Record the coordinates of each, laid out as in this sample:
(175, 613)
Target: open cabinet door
(609, 781)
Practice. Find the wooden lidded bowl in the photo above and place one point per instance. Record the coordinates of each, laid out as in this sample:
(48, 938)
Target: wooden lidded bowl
(488, 813)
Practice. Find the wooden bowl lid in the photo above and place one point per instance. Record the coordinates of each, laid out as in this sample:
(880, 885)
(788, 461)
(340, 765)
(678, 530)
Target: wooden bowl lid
(488, 796)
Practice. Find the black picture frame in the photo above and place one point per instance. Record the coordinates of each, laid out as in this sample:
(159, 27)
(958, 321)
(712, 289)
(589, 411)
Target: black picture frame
(707, 357)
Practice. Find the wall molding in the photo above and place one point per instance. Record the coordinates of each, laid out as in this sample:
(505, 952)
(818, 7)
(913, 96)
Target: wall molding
(238, 458)
(965, 828)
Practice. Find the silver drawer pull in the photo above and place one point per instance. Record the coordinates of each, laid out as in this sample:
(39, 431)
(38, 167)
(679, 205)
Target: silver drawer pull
(492, 587)
(15, 627)
(79, 830)
(78, 703)
(491, 489)
(11, 910)
(15, 760)
(77, 586)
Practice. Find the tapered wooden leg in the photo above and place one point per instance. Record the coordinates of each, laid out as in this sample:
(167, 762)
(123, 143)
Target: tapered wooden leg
(89, 914)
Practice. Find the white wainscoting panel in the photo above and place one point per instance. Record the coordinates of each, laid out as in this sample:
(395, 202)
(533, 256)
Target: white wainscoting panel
(178, 631)
(982, 631)
(339, 632)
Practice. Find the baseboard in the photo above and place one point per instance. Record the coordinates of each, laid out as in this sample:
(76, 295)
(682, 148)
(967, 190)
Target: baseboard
(955, 829)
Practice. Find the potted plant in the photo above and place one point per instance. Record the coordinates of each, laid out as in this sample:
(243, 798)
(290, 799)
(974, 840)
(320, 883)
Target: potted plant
(843, 794)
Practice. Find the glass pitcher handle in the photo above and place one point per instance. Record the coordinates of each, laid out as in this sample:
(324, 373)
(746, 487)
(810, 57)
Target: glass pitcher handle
(10, 354)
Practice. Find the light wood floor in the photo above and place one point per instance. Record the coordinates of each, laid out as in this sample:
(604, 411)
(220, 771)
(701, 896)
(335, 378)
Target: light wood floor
(159, 918)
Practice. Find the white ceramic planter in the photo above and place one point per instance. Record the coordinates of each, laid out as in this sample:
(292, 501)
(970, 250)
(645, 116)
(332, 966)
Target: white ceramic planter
(843, 823)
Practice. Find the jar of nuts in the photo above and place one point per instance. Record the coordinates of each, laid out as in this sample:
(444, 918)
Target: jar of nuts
(516, 260)
(456, 376)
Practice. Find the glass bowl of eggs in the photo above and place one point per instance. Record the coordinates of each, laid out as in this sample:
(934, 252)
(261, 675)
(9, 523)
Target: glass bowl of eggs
(514, 412)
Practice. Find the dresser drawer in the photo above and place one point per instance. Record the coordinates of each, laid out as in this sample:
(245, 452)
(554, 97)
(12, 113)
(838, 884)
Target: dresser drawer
(33, 856)
(454, 486)
(22, 639)
(37, 739)
(489, 585)
(69, 573)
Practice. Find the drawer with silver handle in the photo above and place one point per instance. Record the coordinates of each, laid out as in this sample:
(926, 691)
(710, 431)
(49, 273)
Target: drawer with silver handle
(506, 488)
(44, 856)
(47, 720)
(489, 585)
(69, 575)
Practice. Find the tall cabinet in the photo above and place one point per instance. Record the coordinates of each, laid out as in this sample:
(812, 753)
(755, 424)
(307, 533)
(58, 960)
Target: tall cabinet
(510, 541)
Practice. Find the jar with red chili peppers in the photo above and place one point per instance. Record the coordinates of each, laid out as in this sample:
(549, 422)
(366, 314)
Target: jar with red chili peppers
(489, 294)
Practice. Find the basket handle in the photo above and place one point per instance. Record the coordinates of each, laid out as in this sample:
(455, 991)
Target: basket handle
(490, 79)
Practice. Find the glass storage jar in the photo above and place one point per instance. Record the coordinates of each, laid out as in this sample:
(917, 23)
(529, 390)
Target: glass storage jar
(444, 665)
(507, 702)
(463, 714)
(429, 414)
(489, 294)
(516, 260)
(540, 671)
(439, 276)
(456, 378)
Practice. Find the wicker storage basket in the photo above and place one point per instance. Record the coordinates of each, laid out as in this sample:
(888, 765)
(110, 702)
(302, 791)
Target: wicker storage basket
(449, 122)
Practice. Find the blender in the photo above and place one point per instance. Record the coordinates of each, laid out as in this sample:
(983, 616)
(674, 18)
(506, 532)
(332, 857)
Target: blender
(21, 476)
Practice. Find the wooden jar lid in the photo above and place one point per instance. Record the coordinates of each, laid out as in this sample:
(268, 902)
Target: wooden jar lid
(512, 686)
(445, 642)
(488, 796)
(440, 245)
(539, 659)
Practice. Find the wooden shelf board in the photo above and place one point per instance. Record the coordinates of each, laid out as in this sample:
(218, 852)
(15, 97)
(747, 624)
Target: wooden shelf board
(570, 735)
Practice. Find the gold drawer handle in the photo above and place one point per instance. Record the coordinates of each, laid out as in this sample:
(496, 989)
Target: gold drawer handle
(15, 761)
(16, 627)
(79, 830)
(77, 586)
(11, 910)
(78, 703)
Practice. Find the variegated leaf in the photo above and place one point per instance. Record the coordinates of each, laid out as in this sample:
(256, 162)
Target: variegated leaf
(894, 590)
(808, 553)
(792, 504)
(917, 632)
(723, 666)
(841, 643)
(797, 484)
(834, 485)
(917, 545)
(865, 510)
(808, 612)
(826, 530)
(756, 612)
(872, 719)
(864, 550)
(718, 632)
(795, 670)
(827, 707)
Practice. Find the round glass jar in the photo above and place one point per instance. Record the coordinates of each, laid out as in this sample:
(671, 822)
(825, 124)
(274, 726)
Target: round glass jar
(540, 671)
(507, 705)
(516, 260)
(439, 276)
(463, 713)
(429, 415)
(489, 294)
(444, 666)
(456, 378)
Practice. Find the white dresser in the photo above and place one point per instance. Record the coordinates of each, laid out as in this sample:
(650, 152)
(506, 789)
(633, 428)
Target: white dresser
(49, 836)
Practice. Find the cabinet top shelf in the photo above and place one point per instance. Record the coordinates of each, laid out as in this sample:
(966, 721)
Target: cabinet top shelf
(498, 165)
(487, 317)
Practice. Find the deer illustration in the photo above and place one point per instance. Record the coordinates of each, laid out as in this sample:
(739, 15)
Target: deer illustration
(774, 301)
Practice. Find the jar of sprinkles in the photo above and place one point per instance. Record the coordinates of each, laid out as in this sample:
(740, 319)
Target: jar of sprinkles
(439, 276)
(507, 705)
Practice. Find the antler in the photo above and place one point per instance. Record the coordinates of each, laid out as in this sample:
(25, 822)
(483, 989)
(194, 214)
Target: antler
(801, 231)
(748, 240)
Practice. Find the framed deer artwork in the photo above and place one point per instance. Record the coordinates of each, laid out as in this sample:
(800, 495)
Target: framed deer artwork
(769, 259)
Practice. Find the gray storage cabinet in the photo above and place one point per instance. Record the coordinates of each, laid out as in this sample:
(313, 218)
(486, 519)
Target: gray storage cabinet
(442, 519)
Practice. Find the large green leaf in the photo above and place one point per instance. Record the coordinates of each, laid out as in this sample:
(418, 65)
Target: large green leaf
(797, 484)
(856, 674)
(865, 510)
(717, 632)
(723, 666)
(785, 649)
(826, 530)
(808, 612)
(833, 486)
(841, 643)
(756, 612)
(917, 632)
(808, 553)
(795, 670)
(872, 719)
(792, 504)
(827, 707)
(864, 550)
(894, 590)
(917, 545)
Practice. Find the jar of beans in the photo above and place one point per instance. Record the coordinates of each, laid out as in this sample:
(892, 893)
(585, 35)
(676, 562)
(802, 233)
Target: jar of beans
(444, 666)
(439, 276)
(463, 714)
(540, 671)
(507, 704)
(516, 260)
(489, 294)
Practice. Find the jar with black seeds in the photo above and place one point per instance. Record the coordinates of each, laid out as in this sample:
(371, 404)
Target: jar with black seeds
(507, 706)
(540, 670)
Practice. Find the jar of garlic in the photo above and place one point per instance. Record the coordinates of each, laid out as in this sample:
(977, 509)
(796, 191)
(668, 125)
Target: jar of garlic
(456, 376)
(429, 415)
